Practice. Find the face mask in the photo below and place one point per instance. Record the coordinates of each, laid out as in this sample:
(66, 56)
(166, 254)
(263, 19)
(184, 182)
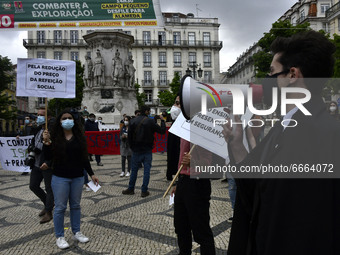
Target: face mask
(40, 120)
(86, 119)
(100, 121)
(67, 124)
(91, 119)
(332, 108)
(175, 112)
(27, 121)
(126, 123)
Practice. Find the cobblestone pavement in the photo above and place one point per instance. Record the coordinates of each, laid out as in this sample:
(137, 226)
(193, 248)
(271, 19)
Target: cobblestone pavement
(115, 223)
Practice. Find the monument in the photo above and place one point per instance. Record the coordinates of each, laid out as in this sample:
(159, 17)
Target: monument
(109, 76)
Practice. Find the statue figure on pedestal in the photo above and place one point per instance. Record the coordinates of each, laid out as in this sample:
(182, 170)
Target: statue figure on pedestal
(98, 69)
(117, 68)
(130, 71)
(88, 78)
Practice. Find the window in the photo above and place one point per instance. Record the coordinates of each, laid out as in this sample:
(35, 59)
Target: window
(338, 24)
(57, 36)
(175, 17)
(293, 21)
(41, 100)
(148, 94)
(162, 58)
(179, 73)
(88, 54)
(41, 36)
(162, 78)
(41, 54)
(207, 76)
(177, 59)
(74, 55)
(302, 15)
(147, 37)
(207, 59)
(74, 36)
(147, 58)
(325, 27)
(177, 38)
(324, 7)
(206, 38)
(192, 58)
(58, 55)
(147, 78)
(161, 38)
(191, 38)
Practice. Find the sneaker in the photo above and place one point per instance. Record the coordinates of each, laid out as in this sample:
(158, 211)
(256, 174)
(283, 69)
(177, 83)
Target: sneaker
(145, 194)
(122, 174)
(127, 174)
(100, 164)
(128, 192)
(80, 237)
(61, 243)
(87, 188)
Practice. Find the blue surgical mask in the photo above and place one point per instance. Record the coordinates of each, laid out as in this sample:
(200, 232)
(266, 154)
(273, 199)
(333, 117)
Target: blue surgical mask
(40, 120)
(67, 124)
(27, 121)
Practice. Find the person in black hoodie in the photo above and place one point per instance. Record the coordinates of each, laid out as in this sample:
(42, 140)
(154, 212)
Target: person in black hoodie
(141, 140)
(92, 125)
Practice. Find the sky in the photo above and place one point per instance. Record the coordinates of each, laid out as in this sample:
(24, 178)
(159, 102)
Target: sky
(242, 23)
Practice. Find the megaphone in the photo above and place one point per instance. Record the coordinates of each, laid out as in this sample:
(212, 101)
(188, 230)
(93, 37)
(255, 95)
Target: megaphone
(195, 96)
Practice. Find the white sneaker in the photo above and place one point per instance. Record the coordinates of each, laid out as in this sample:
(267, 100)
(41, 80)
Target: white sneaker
(127, 174)
(122, 174)
(80, 237)
(61, 243)
(88, 188)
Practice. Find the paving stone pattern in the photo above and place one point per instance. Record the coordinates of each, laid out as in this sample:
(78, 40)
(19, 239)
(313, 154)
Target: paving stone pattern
(115, 223)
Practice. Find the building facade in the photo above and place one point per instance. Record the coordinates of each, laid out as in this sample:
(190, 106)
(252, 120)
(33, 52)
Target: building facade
(157, 52)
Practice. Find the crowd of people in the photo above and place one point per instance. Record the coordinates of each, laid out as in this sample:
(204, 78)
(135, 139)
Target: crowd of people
(271, 216)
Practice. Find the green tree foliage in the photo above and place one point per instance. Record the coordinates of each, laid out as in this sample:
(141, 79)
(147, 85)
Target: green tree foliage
(167, 97)
(56, 105)
(333, 86)
(262, 59)
(7, 105)
(140, 96)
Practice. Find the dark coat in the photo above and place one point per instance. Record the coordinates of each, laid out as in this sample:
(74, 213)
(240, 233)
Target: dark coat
(291, 216)
(91, 125)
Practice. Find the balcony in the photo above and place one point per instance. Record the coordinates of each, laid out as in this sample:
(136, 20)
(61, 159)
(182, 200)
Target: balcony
(163, 83)
(54, 43)
(180, 44)
(333, 11)
(148, 83)
(152, 102)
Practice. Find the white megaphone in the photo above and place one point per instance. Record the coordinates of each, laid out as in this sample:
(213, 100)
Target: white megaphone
(197, 96)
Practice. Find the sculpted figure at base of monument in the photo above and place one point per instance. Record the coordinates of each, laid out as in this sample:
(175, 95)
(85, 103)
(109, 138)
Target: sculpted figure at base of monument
(117, 68)
(130, 71)
(87, 77)
(98, 69)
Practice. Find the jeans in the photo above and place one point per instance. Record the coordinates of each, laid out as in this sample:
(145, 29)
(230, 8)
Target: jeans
(231, 189)
(128, 158)
(66, 189)
(37, 175)
(136, 159)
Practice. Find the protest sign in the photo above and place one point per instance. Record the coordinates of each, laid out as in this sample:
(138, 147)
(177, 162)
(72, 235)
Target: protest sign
(108, 142)
(44, 14)
(46, 78)
(13, 153)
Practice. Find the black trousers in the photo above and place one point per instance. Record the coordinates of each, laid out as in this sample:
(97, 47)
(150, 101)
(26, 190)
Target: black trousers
(36, 177)
(191, 216)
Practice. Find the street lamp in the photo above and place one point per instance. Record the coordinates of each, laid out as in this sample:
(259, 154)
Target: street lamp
(194, 66)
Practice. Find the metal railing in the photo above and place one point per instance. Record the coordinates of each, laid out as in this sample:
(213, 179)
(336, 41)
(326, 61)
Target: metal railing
(179, 43)
(335, 8)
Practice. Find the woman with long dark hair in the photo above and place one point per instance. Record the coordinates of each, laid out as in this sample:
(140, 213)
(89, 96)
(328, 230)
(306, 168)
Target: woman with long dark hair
(68, 150)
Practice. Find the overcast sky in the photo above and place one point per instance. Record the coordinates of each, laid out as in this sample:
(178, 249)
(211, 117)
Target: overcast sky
(243, 22)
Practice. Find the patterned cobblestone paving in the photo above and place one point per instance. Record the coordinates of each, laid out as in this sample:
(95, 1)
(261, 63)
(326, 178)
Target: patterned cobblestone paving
(116, 224)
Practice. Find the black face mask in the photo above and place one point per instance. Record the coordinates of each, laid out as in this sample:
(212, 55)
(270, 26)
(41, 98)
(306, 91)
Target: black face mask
(268, 83)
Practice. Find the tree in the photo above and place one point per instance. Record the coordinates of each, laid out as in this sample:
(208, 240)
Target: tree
(167, 97)
(262, 59)
(56, 105)
(7, 108)
(140, 96)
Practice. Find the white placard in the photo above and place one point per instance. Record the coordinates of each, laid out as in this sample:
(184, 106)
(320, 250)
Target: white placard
(38, 77)
(202, 131)
(13, 153)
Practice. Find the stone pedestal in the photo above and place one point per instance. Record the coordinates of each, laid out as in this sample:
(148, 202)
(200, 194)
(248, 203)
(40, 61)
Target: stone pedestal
(109, 79)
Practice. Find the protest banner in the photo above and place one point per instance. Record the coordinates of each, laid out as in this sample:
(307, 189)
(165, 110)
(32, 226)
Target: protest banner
(46, 78)
(108, 142)
(44, 14)
(13, 153)
(206, 130)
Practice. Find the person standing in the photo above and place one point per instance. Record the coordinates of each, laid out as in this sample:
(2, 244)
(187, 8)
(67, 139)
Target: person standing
(92, 125)
(141, 139)
(334, 110)
(66, 147)
(125, 150)
(41, 169)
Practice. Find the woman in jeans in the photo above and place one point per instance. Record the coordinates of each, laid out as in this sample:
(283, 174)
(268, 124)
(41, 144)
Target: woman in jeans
(68, 150)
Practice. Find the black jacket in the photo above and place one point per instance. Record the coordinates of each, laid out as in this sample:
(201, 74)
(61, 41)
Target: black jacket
(291, 216)
(141, 133)
(91, 125)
